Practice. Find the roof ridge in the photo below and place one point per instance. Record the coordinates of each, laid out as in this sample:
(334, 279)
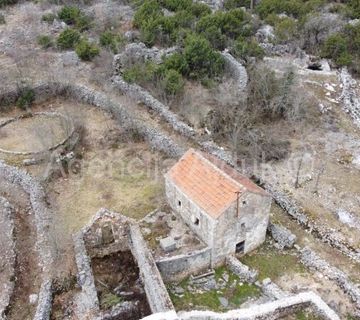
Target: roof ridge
(222, 172)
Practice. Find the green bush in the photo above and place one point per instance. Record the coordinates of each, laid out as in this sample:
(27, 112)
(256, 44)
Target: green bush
(26, 98)
(4, 3)
(68, 39)
(69, 14)
(173, 82)
(48, 17)
(202, 60)
(336, 48)
(2, 19)
(149, 10)
(232, 4)
(141, 73)
(176, 62)
(111, 41)
(285, 29)
(200, 9)
(45, 41)
(72, 15)
(175, 5)
(354, 6)
(244, 48)
(86, 50)
(295, 8)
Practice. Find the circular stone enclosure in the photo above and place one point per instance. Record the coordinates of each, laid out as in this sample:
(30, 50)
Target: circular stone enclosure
(35, 133)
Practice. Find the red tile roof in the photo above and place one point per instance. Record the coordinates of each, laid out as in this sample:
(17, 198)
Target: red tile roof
(209, 182)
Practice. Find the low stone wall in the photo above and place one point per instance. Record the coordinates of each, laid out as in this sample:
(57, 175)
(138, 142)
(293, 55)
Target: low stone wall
(48, 114)
(43, 91)
(44, 242)
(85, 278)
(283, 237)
(157, 295)
(179, 267)
(8, 254)
(139, 94)
(327, 235)
(272, 290)
(311, 260)
(270, 310)
(241, 270)
(236, 69)
(43, 310)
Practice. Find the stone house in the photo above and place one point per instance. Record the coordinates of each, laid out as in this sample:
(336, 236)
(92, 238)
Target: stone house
(225, 209)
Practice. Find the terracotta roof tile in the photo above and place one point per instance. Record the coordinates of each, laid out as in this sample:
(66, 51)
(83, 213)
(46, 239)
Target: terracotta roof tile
(209, 182)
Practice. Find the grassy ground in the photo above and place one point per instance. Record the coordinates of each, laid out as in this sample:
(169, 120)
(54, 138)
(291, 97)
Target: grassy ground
(272, 263)
(209, 300)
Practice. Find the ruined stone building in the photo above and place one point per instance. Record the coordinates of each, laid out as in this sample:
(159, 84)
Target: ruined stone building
(225, 209)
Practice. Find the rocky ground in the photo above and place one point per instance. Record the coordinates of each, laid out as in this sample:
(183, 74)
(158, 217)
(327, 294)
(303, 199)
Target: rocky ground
(113, 172)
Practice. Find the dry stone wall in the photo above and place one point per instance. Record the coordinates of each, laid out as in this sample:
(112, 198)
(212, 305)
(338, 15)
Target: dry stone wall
(236, 69)
(85, 278)
(43, 91)
(44, 242)
(270, 310)
(349, 97)
(155, 289)
(139, 94)
(241, 270)
(311, 260)
(283, 237)
(8, 255)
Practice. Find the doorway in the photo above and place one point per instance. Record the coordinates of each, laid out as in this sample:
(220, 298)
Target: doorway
(240, 247)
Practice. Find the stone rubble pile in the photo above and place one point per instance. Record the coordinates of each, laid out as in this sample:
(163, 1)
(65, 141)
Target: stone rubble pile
(283, 237)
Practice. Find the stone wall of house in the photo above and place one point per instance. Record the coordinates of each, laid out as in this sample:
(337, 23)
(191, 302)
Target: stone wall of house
(179, 267)
(189, 212)
(250, 226)
(157, 295)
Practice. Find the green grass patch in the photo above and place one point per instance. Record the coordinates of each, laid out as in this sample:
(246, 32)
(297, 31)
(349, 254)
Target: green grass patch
(199, 299)
(272, 263)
